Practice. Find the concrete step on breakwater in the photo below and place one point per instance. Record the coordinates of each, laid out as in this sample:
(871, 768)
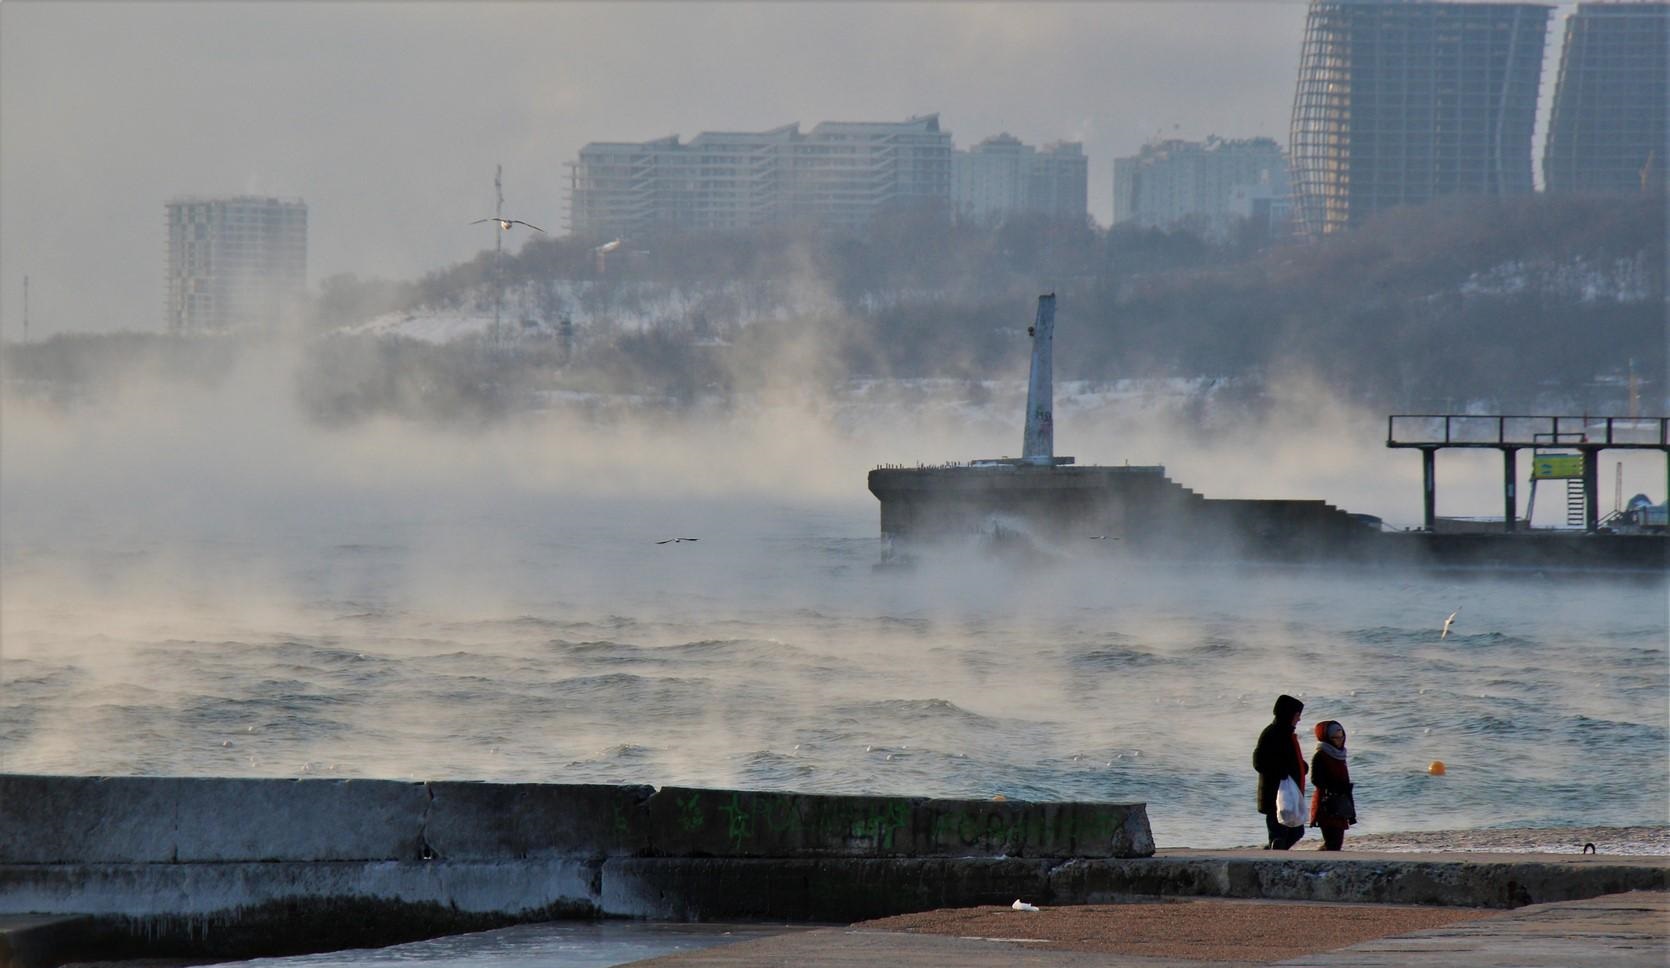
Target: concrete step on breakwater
(243, 867)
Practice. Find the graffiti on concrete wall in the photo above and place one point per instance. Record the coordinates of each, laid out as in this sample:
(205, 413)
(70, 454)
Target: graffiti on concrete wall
(777, 824)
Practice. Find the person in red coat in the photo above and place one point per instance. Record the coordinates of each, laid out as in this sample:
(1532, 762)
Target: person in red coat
(1332, 808)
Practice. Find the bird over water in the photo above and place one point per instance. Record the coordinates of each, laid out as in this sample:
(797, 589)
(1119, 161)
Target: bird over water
(506, 223)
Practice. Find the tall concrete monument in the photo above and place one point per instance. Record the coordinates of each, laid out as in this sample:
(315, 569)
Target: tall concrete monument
(1039, 445)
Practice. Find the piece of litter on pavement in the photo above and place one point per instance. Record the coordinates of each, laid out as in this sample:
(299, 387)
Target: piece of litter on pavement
(1021, 905)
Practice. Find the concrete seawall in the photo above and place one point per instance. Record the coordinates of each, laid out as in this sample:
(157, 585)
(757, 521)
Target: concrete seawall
(244, 867)
(241, 866)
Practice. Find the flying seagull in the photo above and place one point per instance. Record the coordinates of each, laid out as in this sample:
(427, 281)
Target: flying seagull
(506, 223)
(676, 540)
(1448, 622)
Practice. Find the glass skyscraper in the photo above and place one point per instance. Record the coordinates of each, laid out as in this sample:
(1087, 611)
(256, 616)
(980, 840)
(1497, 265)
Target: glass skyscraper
(1606, 132)
(1403, 101)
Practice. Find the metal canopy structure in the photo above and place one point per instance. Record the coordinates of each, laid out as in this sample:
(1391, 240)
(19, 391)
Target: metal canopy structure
(1432, 432)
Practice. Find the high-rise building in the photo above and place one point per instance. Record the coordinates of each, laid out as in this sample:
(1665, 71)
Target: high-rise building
(1060, 181)
(841, 173)
(989, 180)
(234, 262)
(1402, 101)
(1001, 176)
(1606, 132)
(1194, 183)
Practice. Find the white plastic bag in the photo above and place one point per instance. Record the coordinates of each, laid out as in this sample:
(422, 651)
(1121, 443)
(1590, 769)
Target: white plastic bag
(1291, 809)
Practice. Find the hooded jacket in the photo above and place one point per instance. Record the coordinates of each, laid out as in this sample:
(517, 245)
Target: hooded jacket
(1277, 755)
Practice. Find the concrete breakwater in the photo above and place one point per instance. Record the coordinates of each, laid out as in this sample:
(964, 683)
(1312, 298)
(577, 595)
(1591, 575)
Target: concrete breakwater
(230, 867)
(245, 867)
(1153, 516)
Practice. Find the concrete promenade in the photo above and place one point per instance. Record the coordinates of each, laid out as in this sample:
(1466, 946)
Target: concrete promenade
(1617, 930)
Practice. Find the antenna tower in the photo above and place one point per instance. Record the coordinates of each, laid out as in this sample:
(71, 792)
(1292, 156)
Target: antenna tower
(498, 250)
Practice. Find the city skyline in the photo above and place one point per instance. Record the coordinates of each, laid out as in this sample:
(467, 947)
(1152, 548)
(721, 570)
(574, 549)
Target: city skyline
(389, 119)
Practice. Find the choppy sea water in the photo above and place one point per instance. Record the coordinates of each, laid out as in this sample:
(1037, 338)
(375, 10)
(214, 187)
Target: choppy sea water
(513, 635)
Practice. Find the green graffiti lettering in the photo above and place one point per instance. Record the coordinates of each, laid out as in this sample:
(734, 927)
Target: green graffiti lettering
(893, 818)
(782, 816)
(738, 827)
(881, 825)
(690, 816)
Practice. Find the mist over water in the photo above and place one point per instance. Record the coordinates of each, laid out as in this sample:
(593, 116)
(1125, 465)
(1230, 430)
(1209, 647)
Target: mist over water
(199, 582)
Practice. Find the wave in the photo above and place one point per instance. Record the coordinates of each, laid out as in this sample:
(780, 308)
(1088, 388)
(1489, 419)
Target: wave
(916, 711)
(724, 650)
(1391, 635)
(620, 752)
(1213, 647)
(1114, 658)
(768, 770)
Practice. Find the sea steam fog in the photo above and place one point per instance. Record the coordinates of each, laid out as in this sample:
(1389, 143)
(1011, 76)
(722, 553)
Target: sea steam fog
(201, 581)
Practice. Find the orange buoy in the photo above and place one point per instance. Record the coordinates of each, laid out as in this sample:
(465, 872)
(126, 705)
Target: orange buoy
(1435, 768)
(1000, 797)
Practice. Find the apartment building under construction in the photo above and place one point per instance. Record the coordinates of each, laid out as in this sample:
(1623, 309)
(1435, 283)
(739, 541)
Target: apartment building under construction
(1399, 103)
(1606, 131)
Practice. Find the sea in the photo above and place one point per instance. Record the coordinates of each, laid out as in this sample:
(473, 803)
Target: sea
(204, 584)
(557, 641)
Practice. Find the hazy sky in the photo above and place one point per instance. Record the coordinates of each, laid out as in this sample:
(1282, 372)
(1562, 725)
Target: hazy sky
(387, 118)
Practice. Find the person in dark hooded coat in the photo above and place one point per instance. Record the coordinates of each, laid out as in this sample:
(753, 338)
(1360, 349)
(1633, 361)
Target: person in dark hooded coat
(1277, 757)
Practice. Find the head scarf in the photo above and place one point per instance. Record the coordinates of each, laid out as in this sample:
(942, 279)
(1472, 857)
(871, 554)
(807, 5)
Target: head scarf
(1323, 746)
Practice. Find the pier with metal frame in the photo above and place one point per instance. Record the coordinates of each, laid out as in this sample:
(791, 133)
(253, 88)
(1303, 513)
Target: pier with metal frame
(1430, 433)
